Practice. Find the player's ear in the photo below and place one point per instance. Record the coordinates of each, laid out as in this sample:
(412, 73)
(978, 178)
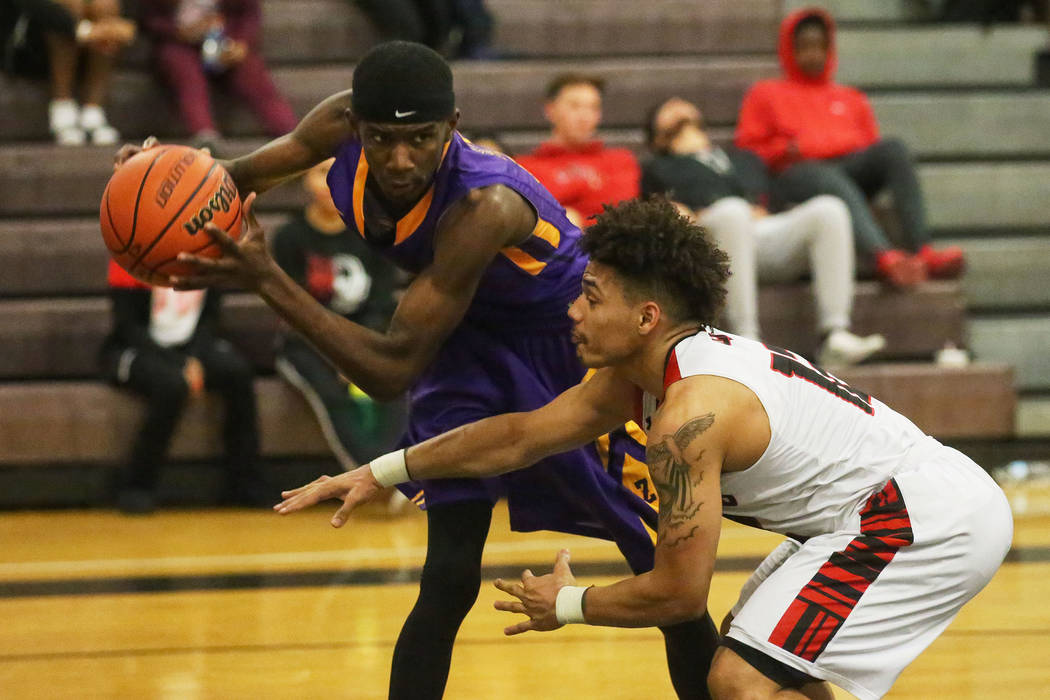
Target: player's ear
(649, 316)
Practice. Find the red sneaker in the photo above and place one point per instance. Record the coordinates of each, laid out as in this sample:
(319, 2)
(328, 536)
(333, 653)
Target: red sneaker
(944, 264)
(900, 269)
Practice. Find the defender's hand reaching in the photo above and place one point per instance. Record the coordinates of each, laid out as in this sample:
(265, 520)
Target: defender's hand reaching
(354, 487)
(537, 597)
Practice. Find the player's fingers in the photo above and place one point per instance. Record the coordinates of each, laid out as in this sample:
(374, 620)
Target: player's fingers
(292, 492)
(527, 575)
(513, 589)
(512, 606)
(228, 245)
(561, 563)
(249, 212)
(344, 510)
(518, 628)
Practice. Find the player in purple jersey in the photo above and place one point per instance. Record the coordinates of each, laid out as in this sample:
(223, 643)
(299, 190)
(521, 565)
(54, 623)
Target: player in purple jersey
(480, 331)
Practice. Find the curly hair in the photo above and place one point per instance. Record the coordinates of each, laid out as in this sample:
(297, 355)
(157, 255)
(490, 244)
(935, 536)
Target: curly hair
(661, 255)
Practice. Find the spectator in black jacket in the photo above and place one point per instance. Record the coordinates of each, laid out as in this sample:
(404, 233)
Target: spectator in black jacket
(43, 37)
(726, 190)
(344, 273)
(164, 345)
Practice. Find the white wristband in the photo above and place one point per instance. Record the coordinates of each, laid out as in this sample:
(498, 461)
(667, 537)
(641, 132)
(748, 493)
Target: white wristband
(83, 31)
(390, 468)
(568, 606)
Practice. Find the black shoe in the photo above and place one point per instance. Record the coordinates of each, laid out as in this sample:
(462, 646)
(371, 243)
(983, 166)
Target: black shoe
(136, 502)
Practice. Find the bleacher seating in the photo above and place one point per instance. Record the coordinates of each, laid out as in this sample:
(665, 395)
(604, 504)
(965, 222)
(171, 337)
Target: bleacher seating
(984, 193)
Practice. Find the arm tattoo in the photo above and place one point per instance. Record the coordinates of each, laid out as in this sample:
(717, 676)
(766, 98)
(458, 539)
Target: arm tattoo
(672, 475)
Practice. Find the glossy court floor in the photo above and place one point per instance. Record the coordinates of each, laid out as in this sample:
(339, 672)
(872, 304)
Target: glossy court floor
(191, 604)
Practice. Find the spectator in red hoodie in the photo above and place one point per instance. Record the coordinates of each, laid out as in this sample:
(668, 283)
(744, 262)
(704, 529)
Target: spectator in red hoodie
(573, 165)
(821, 137)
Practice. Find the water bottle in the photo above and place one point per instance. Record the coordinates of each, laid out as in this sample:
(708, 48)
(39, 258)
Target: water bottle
(212, 48)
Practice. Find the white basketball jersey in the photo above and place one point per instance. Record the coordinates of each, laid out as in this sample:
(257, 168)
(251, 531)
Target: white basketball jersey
(831, 445)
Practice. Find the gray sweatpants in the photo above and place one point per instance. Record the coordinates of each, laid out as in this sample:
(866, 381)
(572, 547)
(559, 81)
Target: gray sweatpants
(814, 236)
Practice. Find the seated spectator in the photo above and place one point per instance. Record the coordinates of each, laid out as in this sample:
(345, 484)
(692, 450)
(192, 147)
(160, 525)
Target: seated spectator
(165, 346)
(195, 41)
(725, 189)
(573, 165)
(820, 137)
(62, 39)
(341, 271)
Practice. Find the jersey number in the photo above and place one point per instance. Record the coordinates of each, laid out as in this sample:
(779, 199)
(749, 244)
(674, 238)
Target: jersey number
(789, 364)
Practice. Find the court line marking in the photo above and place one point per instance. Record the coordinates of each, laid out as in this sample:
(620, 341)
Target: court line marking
(639, 636)
(414, 554)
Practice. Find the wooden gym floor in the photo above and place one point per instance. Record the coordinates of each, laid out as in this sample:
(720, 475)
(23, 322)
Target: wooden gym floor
(192, 604)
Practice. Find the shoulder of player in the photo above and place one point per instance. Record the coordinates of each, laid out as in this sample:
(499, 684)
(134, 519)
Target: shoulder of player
(495, 209)
(702, 395)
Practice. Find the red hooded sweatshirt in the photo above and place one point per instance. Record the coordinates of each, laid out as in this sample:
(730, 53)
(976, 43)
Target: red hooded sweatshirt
(824, 119)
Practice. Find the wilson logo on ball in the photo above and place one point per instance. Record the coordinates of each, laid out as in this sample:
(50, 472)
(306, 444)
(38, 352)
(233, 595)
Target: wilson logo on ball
(220, 201)
(172, 178)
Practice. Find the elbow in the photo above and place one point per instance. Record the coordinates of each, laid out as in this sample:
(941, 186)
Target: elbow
(682, 602)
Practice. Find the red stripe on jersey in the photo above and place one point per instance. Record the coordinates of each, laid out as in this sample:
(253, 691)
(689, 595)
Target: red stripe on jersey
(823, 604)
(672, 373)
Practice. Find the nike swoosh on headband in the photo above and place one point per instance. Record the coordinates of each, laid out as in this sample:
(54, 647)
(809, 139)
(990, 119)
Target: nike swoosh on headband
(401, 115)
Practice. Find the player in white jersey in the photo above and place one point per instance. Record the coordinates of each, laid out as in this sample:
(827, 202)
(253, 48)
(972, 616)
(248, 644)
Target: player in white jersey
(890, 532)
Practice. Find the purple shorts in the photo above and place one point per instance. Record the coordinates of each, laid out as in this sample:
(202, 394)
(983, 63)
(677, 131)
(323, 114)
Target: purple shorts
(482, 372)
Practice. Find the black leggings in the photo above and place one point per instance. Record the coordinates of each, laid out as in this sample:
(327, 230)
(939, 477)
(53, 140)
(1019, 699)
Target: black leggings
(449, 586)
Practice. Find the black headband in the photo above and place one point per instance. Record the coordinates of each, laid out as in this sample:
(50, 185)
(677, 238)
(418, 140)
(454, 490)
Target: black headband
(401, 82)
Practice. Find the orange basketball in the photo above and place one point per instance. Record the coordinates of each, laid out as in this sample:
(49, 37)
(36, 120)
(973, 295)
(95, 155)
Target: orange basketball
(156, 206)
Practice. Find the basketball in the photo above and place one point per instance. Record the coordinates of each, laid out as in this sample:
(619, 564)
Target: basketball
(156, 206)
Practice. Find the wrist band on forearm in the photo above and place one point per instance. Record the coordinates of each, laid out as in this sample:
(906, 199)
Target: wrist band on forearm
(568, 606)
(83, 30)
(390, 469)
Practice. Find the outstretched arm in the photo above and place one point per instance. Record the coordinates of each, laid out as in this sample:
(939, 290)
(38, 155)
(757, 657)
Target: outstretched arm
(686, 448)
(488, 447)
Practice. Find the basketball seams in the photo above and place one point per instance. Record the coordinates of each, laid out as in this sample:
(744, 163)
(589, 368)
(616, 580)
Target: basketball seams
(113, 226)
(163, 232)
(138, 197)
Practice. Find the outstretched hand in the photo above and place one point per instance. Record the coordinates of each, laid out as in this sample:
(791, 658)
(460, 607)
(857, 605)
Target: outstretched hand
(536, 597)
(354, 487)
(245, 262)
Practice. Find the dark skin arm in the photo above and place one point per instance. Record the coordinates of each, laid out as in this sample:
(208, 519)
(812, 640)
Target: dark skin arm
(315, 139)
(384, 364)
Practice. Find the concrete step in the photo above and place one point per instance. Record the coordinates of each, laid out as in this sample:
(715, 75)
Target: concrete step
(939, 56)
(318, 31)
(982, 124)
(1008, 273)
(1020, 341)
(45, 180)
(60, 257)
(97, 423)
(601, 27)
(1033, 416)
(39, 333)
(989, 195)
(490, 94)
(915, 324)
(848, 11)
(967, 402)
(61, 337)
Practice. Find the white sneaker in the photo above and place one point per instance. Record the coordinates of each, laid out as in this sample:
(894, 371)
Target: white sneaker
(845, 348)
(63, 118)
(93, 122)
